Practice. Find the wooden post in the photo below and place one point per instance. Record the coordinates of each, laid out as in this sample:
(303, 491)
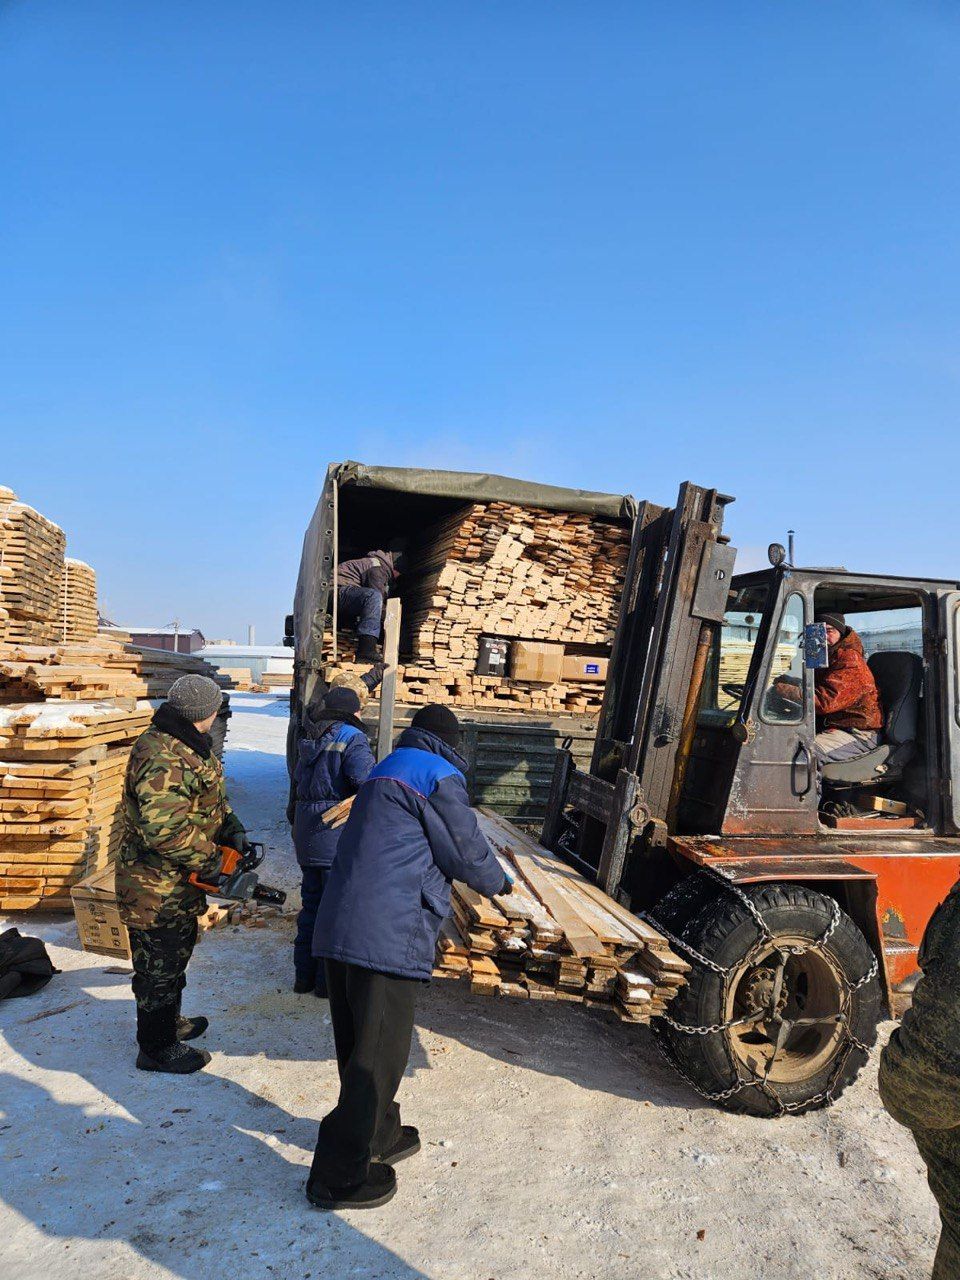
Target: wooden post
(388, 687)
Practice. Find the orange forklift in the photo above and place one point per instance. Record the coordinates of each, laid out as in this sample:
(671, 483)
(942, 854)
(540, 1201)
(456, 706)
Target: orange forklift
(798, 893)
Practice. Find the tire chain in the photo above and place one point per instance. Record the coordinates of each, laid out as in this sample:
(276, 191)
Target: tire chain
(825, 1096)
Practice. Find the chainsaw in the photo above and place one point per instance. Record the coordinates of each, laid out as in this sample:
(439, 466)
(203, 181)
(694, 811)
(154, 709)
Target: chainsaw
(236, 878)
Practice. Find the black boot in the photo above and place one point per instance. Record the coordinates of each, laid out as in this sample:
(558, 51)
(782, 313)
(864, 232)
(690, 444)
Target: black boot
(367, 650)
(160, 1050)
(380, 1186)
(189, 1028)
(407, 1144)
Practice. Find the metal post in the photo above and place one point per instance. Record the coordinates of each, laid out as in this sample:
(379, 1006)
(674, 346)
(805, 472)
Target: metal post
(336, 561)
(388, 686)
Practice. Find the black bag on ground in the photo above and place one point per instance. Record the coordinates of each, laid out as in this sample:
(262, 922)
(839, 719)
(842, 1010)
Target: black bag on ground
(25, 966)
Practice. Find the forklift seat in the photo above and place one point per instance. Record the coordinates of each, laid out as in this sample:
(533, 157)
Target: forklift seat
(899, 678)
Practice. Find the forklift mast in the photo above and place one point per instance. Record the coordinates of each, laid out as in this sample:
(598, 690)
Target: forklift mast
(677, 581)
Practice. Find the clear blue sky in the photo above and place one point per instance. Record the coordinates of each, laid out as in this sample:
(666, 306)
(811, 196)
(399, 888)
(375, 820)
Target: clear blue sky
(605, 244)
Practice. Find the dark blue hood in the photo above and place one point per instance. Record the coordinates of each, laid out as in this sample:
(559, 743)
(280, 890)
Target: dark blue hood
(423, 740)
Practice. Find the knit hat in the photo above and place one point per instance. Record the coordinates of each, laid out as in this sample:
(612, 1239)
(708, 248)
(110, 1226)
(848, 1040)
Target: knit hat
(440, 721)
(832, 619)
(195, 697)
(343, 699)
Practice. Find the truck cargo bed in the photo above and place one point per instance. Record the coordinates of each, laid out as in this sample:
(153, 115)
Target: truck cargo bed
(555, 937)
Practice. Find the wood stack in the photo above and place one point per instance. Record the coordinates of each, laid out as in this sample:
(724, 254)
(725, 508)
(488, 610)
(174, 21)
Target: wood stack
(61, 777)
(31, 573)
(555, 937)
(98, 669)
(514, 573)
(78, 603)
(280, 679)
(240, 677)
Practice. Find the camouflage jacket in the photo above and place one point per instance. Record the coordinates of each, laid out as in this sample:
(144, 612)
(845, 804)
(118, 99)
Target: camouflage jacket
(920, 1066)
(175, 802)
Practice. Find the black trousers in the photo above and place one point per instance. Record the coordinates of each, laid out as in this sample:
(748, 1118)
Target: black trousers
(372, 1015)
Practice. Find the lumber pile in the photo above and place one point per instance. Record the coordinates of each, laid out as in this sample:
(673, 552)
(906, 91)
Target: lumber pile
(78, 603)
(62, 767)
(72, 703)
(555, 937)
(31, 573)
(279, 679)
(240, 677)
(512, 573)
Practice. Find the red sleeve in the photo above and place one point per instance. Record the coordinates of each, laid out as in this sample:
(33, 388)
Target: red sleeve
(840, 685)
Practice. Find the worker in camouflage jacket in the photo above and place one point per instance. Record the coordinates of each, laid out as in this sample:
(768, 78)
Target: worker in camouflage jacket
(176, 816)
(920, 1074)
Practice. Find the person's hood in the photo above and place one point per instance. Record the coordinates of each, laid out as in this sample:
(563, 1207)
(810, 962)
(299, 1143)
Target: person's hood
(422, 740)
(850, 641)
(386, 558)
(168, 720)
(316, 725)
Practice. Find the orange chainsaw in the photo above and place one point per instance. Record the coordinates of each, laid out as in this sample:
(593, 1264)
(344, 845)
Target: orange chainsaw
(236, 878)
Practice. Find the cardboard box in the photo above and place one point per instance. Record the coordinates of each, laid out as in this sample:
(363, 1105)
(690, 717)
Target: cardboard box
(536, 660)
(98, 917)
(581, 668)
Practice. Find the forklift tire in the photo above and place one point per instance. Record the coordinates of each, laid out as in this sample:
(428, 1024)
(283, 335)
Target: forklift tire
(820, 1055)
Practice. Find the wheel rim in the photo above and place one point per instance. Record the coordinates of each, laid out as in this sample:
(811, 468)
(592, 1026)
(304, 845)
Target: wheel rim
(792, 1011)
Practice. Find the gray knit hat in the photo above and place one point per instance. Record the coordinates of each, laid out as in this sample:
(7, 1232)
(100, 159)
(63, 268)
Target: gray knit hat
(195, 697)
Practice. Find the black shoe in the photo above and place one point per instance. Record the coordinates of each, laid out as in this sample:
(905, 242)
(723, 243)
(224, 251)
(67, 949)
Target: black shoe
(176, 1059)
(367, 650)
(380, 1186)
(302, 985)
(191, 1028)
(408, 1144)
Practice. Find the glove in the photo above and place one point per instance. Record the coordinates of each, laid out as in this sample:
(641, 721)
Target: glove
(508, 883)
(373, 677)
(233, 833)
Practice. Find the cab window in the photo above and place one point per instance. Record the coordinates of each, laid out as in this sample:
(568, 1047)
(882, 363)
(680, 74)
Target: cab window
(731, 655)
(783, 698)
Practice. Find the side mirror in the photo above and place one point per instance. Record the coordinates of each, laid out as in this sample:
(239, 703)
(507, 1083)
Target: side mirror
(288, 626)
(815, 646)
(288, 642)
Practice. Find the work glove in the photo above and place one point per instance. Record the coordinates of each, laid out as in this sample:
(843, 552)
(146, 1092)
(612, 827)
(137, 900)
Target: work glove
(373, 677)
(233, 833)
(508, 883)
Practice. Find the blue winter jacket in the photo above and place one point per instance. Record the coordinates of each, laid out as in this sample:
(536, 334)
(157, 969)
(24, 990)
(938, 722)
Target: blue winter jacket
(330, 767)
(410, 832)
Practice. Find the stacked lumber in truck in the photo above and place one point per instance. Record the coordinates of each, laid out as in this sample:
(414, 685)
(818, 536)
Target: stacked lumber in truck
(511, 573)
(62, 767)
(78, 603)
(31, 573)
(556, 936)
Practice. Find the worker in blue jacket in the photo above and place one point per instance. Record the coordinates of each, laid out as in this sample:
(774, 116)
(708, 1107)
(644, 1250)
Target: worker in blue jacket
(333, 761)
(411, 831)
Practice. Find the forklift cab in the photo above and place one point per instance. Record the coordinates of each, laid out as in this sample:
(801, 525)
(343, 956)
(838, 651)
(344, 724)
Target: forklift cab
(753, 764)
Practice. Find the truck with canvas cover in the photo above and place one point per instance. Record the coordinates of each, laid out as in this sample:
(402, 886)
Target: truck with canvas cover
(494, 573)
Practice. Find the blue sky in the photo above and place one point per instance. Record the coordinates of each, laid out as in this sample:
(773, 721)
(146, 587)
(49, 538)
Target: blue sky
(612, 245)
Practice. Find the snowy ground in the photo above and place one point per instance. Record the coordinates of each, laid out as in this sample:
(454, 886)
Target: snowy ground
(556, 1144)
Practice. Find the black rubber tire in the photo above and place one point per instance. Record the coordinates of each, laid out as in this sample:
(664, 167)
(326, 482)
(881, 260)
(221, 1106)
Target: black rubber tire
(723, 930)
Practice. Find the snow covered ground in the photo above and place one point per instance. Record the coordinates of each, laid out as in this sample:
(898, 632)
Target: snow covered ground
(556, 1144)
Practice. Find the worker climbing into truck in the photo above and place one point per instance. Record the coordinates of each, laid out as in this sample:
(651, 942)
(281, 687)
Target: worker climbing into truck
(410, 833)
(362, 588)
(849, 716)
(333, 761)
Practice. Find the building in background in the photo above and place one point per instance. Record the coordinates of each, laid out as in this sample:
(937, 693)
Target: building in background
(174, 639)
(260, 659)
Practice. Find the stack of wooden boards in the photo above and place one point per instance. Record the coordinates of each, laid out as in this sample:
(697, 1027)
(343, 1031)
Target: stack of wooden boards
(31, 574)
(71, 705)
(78, 605)
(511, 573)
(556, 936)
(62, 766)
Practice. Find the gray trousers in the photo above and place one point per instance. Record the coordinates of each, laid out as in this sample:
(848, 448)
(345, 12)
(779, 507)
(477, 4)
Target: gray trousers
(844, 744)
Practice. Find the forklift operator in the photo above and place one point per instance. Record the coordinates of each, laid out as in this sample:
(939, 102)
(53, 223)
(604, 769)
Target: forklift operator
(849, 715)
